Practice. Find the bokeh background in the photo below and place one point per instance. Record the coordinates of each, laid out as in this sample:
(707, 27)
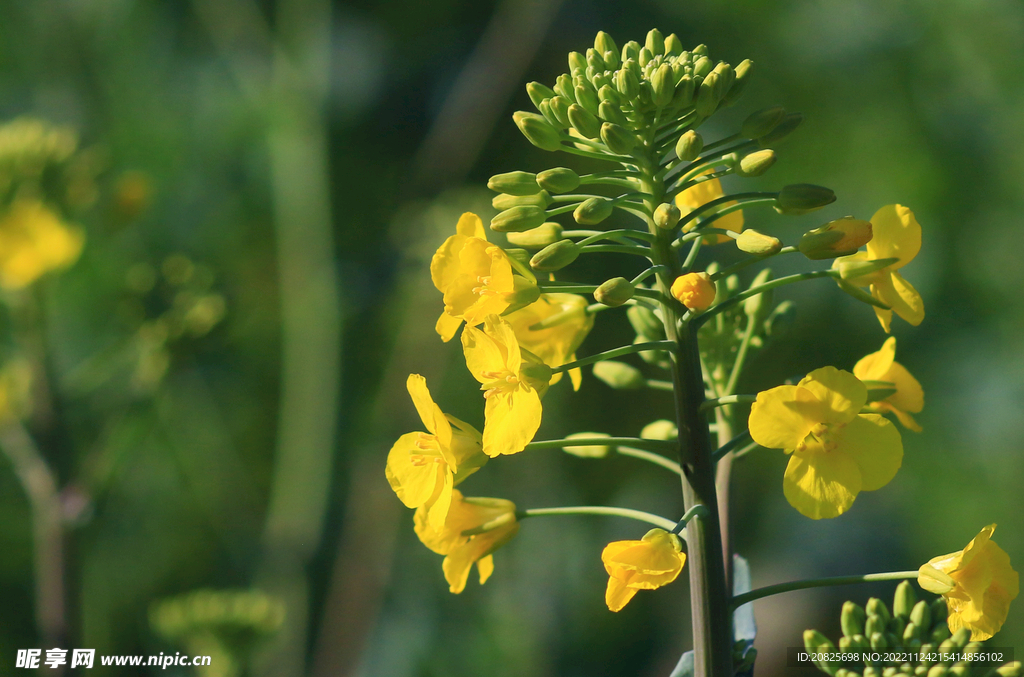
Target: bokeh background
(296, 162)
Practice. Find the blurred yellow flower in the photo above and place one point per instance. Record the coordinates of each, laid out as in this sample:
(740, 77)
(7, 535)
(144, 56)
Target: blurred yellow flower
(495, 518)
(422, 467)
(34, 241)
(699, 195)
(896, 234)
(836, 452)
(649, 563)
(475, 277)
(567, 324)
(513, 381)
(909, 396)
(978, 584)
(696, 291)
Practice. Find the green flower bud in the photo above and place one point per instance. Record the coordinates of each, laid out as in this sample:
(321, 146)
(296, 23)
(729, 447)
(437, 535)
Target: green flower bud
(661, 429)
(689, 146)
(757, 163)
(538, 130)
(897, 624)
(870, 671)
(645, 323)
(577, 60)
(739, 83)
(845, 644)
(596, 61)
(801, 198)
(612, 113)
(593, 211)
(961, 637)
(588, 451)
(545, 110)
(555, 256)
(518, 219)
(879, 642)
(1010, 670)
(753, 242)
(782, 130)
(514, 183)
(538, 92)
(666, 216)
(815, 643)
(604, 43)
(619, 375)
(938, 671)
(673, 46)
(655, 357)
(940, 633)
(611, 59)
(927, 648)
(859, 642)
(875, 625)
(702, 66)
(904, 600)
(627, 83)
(663, 84)
(564, 87)
(560, 109)
(614, 292)
(761, 122)
(631, 50)
(524, 292)
(609, 94)
(520, 257)
(584, 122)
(541, 236)
(726, 76)
(655, 42)
(852, 619)
(755, 308)
(558, 180)
(701, 50)
(939, 611)
(840, 237)
(851, 270)
(921, 615)
(912, 631)
(645, 57)
(618, 139)
(537, 372)
(506, 201)
(684, 91)
(706, 101)
(586, 95)
(876, 607)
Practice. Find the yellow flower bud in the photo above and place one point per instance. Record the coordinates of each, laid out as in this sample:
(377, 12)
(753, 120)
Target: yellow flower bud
(662, 429)
(753, 242)
(756, 163)
(689, 146)
(841, 237)
(696, 291)
(514, 183)
(506, 201)
(666, 216)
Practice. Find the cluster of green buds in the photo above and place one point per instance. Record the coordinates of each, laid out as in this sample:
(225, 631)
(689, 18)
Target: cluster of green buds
(914, 628)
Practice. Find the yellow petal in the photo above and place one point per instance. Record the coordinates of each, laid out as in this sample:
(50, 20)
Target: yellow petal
(905, 419)
(821, 485)
(909, 395)
(875, 444)
(470, 225)
(699, 195)
(456, 567)
(505, 336)
(910, 305)
(447, 325)
(884, 316)
(875, 367)
(782, 417)
(414, 484)
(483, 355)
(934, 580)
(485, 567)
(437, 510)
(431, 415)
(511, 421)
(896, 235)
(647, 559)
(841, 393)
(444, 266)
(617, 595)
(575, 376)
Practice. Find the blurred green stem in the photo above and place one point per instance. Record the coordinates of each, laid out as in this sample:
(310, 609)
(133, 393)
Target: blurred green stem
(740, 600)
(666, 524)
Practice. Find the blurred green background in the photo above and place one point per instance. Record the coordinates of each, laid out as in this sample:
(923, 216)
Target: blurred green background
(306, 158)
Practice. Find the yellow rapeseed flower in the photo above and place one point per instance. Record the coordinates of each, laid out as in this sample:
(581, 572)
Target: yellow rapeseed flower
(494, 518)
(696, 291)
(896, 234)
(699, 195)
(649, 563)
(567, 325)
(423, 467)
(513, 381)
(978, 584)
(475, 277)
(836, 451)
(33, 242)
(909, 396)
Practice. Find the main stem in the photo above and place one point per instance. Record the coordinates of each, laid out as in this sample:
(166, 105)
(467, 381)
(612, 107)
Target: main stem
(709, 594)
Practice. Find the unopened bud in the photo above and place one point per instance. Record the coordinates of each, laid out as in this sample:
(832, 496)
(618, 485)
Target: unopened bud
(618, 139)
(619, 375)
(514, 183)
(684, 91)
(538, 130)
(876, 607)
(706, 101)
(593, 211)
(630, 50)
(523, 294)
(938, 670)
(1010, 670)
(655, 42)
(800, 198)
(555, 256)
(614, 292)
(505, 201)
(586, 96)
(940, 610)
(739, 83)
(753, 242)
(840, 237)
(875, 625)
(904, 600)
(852, 269)
(558, 180)
(912, 631)
(756, 306)
(817, 643)
(604, 43)
(520, 258)
(786, 127)
(762, 122)
(879, 642)
(921, 615)
(541, 236)
(610, 94)
(584, 122)
(666, 216)
(702, 66)
(559, 107)
(940, 633)
(645, 323)
(756, 163)
(612, 113)
(594, 451)
(852, 619)
(673, 46)
(518, 219)
(663, 85)
(689, 146)
(662, 429)
(538, 92)
(696, 291)
(627, 83)
(564, 87)
(726, 76)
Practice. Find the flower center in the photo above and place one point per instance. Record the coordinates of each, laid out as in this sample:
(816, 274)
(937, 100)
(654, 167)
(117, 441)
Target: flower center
(500, 382)
(824, 434)
(431, 450)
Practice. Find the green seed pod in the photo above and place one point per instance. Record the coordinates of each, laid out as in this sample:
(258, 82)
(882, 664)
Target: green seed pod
(876, 607)
(514, 183)
(618, 139)
(584, 122)
(586, 95)
(757, 163)
(761, 122)
(564, 87)
(599, 451)
(801, 198)
(921, 616)
(506, 201)
(609, 94)
(593, 211)
(627, 83)
(673, 46)
(904, 600)
(666, 216)
(614, 292)
(645, 323)
(560, 109)
(645, 57)
(612, 113)
(558, 180)
(538, 93)
(706, 101)
(689, 146)
(630, 50)
(684, 91)
(655, 42)
(702, 67)
(663, 84)
(739, 83)
(789, 123)
(879, 642)
(537, 130)
(619, 375)
(541, 236)
(518, 219)
(753, 242)
(555, 256)
(875, 624)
